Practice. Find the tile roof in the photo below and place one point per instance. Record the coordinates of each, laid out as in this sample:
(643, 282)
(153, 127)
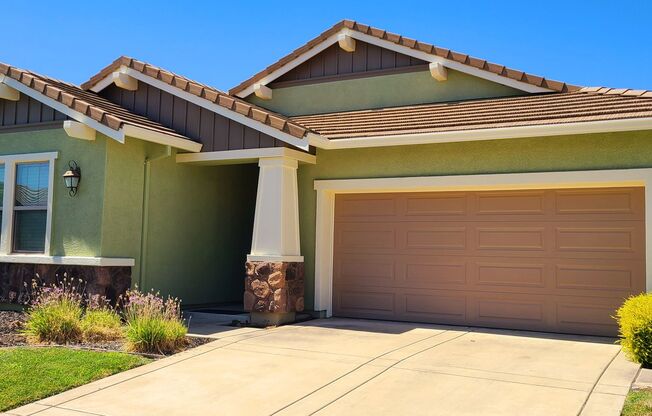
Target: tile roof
(587, 104)
(216, 96)
(412, 44)
(84, 102)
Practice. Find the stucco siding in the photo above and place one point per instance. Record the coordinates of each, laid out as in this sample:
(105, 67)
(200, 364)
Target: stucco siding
(76, 221)
(197, 228)
(378, 92)
(200, 226)
(545, 154)
(200, 219)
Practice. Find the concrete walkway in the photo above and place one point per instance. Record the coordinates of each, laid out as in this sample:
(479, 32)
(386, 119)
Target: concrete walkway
(358, 367)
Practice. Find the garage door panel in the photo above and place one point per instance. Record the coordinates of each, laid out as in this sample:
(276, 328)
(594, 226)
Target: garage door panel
(436, 307)
(510, 203)
(365, 270)
(615, 277)
(434, 237)
(593, 318)
(547, 260)
(511, 238)
(609, 203)
(426, 272)
(547, 276)
(626, 239)
(373, 206)
(367, 303)
(366, 236)
(526, 275)
(435, 205)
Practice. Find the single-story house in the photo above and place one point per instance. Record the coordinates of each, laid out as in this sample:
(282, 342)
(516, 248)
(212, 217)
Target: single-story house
(365, 174)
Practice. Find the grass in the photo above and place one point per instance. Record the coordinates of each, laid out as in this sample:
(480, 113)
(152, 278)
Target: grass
(30, 374)
(638, 403)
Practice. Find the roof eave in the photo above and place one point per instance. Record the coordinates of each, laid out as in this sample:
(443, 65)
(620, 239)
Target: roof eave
(561, 129)
(299, 142)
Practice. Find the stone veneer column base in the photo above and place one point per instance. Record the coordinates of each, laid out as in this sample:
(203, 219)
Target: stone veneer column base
(273, 291)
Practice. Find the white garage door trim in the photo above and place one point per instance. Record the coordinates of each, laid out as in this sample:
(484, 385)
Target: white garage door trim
(327, 189)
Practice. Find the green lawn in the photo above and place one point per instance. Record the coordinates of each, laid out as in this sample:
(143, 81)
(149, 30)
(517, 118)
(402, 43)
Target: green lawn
(638, 403)
(29, 374)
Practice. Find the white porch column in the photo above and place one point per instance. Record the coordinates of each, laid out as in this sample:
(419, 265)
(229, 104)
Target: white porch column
(276, 222)
(274, 281)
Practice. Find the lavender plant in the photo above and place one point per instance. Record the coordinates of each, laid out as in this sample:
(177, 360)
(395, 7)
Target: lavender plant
(100, 321)
(55, 312)
(154, 324)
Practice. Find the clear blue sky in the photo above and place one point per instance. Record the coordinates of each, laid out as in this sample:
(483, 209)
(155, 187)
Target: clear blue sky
(221, 43)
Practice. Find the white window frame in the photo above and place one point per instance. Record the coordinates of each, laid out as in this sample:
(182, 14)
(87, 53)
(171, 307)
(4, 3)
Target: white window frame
(8, 202)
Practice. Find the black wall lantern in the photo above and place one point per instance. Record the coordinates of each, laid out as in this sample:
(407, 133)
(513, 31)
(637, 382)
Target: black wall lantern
(72, 177)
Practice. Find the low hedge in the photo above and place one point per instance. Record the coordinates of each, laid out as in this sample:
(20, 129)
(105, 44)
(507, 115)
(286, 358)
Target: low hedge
(635, 324)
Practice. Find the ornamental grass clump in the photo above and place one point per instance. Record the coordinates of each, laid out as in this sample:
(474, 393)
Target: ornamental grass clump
(100, 322)
(55, 312)
(635, 323)
(154, 325)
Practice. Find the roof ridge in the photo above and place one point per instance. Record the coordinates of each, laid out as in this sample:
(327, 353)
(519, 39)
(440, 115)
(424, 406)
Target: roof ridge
(428, 48)
(626, 92)
(212, 94)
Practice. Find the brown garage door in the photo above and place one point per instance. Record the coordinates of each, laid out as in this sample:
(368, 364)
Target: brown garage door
(547, 260)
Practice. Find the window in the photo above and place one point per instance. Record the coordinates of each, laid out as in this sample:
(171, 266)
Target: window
(31, 207)
(26, 209)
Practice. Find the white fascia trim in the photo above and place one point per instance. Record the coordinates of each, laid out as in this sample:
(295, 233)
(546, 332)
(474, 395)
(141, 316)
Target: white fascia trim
(202, 102)
(103, 83)
(160, 138)
(331, 40)
(603, 126)
(480, 73)
(244, 156)
(328, 189)
(67, 260)
(82, 118)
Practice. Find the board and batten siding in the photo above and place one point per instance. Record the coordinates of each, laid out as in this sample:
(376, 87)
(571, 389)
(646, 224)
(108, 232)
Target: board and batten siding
(214, 131)
(334, 63)
(27, 111)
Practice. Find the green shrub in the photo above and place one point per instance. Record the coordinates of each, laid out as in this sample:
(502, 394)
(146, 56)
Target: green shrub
(57, 321)
(154, 325)
(101, 325)
(635, 323)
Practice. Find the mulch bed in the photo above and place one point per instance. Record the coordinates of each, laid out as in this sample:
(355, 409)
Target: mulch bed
(11, 323)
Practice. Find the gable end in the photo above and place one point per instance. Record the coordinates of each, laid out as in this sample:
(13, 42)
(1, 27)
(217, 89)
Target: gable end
(214, 131)
(335, 63)
(27, 111)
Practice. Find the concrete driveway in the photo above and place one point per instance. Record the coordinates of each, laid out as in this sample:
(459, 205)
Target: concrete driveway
(358, 367)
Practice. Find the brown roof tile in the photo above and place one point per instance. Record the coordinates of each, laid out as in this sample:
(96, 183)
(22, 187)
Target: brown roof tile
(84, 102)
(588, 104)
(412, 44)
(212, 94)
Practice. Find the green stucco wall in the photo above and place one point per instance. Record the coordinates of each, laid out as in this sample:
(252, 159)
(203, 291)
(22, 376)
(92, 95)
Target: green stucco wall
(198, 222)
(200, 227)
(380, 91)
(563, 153)
(200, 219)
(76, 221)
